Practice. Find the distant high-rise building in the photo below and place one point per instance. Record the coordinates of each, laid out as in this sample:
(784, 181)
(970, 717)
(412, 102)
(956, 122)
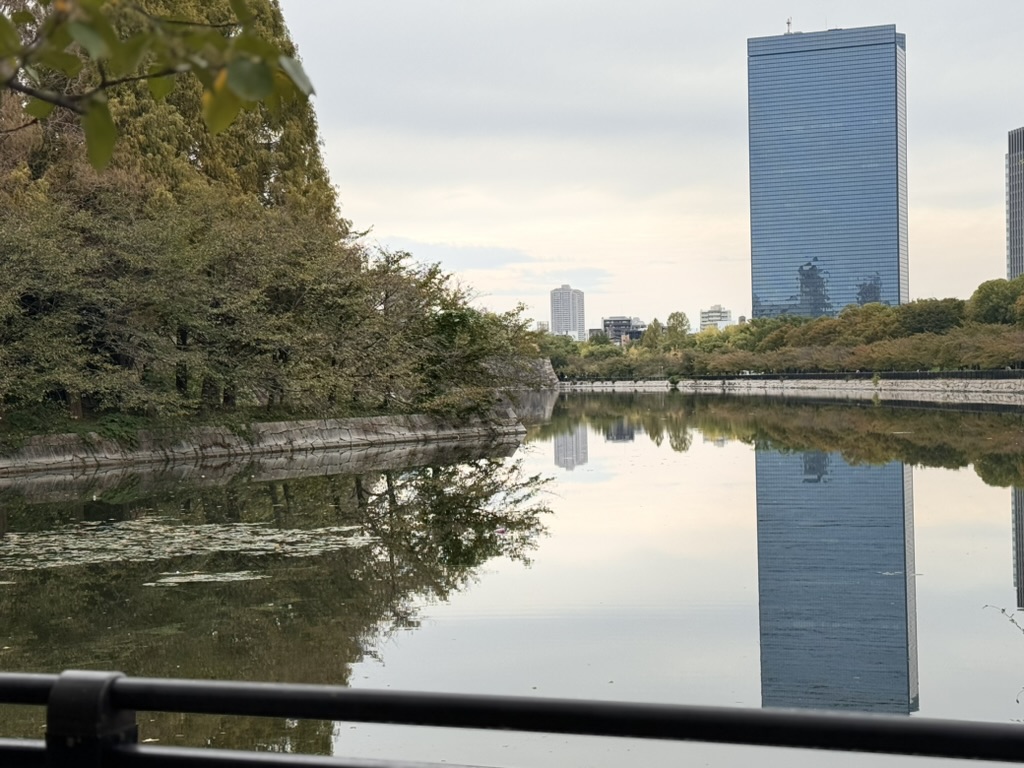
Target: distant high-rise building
(836, 586)
(567, 315)
(620, 328)
(543, 326)
(828, 170)
(571, 448)
(1015, 205)
(716, 316)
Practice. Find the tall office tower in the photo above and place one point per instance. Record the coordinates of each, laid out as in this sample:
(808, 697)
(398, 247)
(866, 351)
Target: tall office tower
(835, 577)
(1015, 205)
(828, 170)
(567, 316)
(571, 448)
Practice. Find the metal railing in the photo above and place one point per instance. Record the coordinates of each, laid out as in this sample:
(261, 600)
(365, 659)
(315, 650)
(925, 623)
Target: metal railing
(90, 720)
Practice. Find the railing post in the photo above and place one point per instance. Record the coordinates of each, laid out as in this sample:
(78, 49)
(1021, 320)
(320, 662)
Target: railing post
(81, 723)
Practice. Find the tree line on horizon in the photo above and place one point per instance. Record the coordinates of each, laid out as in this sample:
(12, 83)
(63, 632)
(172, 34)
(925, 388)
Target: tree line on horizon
(984, 332)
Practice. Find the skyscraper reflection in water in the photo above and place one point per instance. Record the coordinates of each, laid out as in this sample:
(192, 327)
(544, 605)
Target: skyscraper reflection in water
(1017, 513)
(835, 550)
(571, 448)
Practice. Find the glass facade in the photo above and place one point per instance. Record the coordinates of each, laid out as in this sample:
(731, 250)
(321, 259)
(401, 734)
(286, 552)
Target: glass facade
(1015, 204)
(828, 170)
(836, 586)
(1017, 512)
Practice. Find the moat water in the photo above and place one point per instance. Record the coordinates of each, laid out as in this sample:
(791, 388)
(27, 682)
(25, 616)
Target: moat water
(635, 547)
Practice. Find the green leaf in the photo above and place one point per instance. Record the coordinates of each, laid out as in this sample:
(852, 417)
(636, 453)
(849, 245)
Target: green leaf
(61, 61)
(241, 10)
(10, 41)
(296, 73)
(31, 74)
(128, 55)
(59, 37)
(250, 79)
(89, 38)
(100, 134)
(23, 17)
(159, 87)
(38, 108)
(255, 46)
(220, 105)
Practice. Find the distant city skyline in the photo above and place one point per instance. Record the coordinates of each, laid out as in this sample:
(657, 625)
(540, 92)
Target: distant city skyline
(612, 158)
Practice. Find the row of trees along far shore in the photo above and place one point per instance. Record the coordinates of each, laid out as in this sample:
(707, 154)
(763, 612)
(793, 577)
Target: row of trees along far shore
(983, 332)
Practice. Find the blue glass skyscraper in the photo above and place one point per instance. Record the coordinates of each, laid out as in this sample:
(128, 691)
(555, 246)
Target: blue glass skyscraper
(828, 170)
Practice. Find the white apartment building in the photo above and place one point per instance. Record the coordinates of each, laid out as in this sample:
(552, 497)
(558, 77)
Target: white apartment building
(567, 315)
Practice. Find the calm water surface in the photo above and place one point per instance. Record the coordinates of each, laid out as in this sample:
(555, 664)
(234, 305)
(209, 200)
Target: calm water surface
(683, 551)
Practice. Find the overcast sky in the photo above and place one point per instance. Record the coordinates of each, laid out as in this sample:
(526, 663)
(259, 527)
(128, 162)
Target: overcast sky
(538, 142)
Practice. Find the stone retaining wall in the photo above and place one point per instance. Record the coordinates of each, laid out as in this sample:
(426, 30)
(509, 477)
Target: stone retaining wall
(953, 392)
(615, 386)
(70, 483)
(205, 445)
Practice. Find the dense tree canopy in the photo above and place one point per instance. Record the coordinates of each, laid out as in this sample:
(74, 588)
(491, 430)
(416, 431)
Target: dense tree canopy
(73, 55)
(212, 270)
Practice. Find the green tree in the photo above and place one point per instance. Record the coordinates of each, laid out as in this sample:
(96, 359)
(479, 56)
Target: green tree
(677, 330)
(653, 337)
(206, 271)
(931, 315)
(993, 301)
(558, 349)
(70, 55)
(595, 351)
(709, 340)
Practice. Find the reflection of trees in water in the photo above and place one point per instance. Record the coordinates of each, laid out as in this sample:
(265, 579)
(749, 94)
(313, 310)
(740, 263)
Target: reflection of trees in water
(993, 443)
(309, 615)
(655, 414)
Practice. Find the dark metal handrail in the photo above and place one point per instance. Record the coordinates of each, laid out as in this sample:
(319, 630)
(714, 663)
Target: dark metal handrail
(91, 722)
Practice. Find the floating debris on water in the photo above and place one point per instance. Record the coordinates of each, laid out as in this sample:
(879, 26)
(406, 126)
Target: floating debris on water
(196, 577)
(151, 539)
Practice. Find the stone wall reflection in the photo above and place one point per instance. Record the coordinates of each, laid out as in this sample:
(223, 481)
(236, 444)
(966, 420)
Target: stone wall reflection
(838, 621)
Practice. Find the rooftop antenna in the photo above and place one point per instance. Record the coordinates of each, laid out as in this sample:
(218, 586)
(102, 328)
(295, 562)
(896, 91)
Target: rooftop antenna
(789, 26)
